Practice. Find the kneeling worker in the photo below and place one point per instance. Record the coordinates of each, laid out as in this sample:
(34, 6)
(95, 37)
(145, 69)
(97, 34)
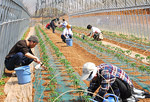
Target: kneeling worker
(111, 79)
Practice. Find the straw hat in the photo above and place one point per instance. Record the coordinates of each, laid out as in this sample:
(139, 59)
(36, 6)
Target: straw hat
(89, 71)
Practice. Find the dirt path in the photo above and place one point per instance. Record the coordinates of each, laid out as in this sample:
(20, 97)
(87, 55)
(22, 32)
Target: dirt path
(77, 55)
(16, 92)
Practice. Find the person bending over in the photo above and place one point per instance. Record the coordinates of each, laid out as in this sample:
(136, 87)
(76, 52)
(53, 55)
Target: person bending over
(95, 33)
(111, 79)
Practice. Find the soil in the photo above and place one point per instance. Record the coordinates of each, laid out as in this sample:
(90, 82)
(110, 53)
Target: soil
(8, 74)
(77, 56)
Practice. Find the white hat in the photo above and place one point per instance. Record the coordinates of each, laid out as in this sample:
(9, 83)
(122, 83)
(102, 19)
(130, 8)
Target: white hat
(87, 69)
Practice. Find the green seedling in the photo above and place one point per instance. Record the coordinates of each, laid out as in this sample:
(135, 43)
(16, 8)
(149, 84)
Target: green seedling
(137, 56)
(1, 93)
(86, 98)
(142, 68)
(128, 52)
(141, 58)
(133, 65)
(148, 59)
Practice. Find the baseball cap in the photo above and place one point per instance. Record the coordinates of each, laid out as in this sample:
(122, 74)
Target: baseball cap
(33, 38)
(89, 71)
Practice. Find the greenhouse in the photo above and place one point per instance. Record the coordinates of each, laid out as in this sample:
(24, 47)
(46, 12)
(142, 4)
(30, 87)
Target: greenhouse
(75, 51)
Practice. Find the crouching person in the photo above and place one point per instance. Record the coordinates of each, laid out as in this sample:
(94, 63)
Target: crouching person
(67, 33)
(111, 79)
(95, 33)
(21, 54)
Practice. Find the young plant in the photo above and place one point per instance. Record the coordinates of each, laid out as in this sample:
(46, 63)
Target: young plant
(86, 98)
(142, 68)
(128, 52)
(133, 65)
(2, 82)
(148, 59)
(141, 58)
(137, 56)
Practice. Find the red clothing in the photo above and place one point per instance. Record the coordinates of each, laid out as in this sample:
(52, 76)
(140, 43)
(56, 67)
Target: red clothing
(47, 25)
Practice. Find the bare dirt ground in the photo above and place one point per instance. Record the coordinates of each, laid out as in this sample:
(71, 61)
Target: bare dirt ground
(78, 56)
(3, 96)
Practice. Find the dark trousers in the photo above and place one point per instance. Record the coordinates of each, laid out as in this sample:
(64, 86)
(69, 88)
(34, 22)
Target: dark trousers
(64, 38)
(121, 89)
(17, 59)
(48, 27)
(53, 28)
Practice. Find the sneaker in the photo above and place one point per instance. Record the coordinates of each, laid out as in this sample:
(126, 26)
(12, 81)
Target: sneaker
(14, 74)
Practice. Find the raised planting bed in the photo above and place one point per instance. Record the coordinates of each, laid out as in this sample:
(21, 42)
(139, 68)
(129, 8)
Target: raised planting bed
(60, 82)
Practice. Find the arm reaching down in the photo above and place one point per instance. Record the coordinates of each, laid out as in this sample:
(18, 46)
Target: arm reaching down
(36, 59)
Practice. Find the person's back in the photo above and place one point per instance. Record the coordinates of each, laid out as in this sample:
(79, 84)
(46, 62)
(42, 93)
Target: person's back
(113, 72)
(53, 25)
(67, 31)
(109, 79)
(95, 30)
(20, 46)
(63, 24)
(21, 54)
(95, 33)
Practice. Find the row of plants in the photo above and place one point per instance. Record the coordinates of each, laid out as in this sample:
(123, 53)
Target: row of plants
(70, 71)
(62, 60)
(128, 37)
(123, 36)
(2, 82)
(116, 52)
(51, 71)
(117, 49)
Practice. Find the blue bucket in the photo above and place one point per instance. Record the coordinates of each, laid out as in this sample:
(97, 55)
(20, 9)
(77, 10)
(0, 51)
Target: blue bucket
(110, 98)
(69, 42)
(23, 74)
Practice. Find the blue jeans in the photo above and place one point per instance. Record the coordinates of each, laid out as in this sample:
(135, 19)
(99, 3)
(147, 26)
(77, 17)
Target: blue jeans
(17, 59)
